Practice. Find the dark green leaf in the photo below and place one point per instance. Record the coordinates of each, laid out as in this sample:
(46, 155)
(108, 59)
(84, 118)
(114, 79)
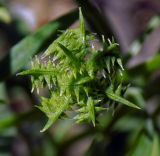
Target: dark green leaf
(2, 93)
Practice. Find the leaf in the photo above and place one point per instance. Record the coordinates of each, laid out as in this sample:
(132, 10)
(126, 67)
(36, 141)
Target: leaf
(121, 100)
(37, 72)
(148, 50)
(83, 80)
(82, 26)
(112, 46)
(69, 54)
(154, 23)
(47, 125)
(119, 61)
(135, 94)
(143, 146)
(156, 146)
(22, 52)
(3, 97)
(118, 90)
(4, 15)
(90, 105)
(149, 66)
(53, 108)
(108, 61)
(2, 101)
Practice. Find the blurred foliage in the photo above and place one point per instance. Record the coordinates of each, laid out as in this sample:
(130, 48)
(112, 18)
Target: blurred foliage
(4, 15)
(121, 132)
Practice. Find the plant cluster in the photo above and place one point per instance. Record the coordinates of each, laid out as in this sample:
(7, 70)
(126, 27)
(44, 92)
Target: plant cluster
(81, 78)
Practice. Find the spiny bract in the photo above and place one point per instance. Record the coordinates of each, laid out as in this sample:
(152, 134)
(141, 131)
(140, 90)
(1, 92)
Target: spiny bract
(80, 78)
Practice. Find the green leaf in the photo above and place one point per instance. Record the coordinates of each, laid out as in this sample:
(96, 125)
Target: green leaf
(90, 104)
(119, 61)
(156, 146)
(69, 54)
(121, 100)
(149, 66)
(47, 125)
(135, 94)
(143, 146)
(108, 61)
(37, 72)
(154, 23)
(2, 101)
(82, 26)
(3, 97)
(83, 80)
(53, 108)
(118, 90)
(22, 52)
(112, 46)
(4, 15)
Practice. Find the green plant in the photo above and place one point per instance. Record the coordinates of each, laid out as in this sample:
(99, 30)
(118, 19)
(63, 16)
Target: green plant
(80, 78)
(119, 130)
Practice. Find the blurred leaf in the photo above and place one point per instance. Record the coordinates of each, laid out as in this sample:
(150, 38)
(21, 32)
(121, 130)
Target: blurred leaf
(137, 95)
(143, 146)
(147, 44)
(48, 148)
(149, 66)
(22, 52)
(2, 101)
(129, 123)
(149, 48)
(61, 130)
(2, 93)
(156, 146)
(154, 23)
(4, 15)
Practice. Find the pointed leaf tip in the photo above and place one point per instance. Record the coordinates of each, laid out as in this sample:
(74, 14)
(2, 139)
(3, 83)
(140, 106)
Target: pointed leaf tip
(121, 100)
(48, 124)
(82, 25)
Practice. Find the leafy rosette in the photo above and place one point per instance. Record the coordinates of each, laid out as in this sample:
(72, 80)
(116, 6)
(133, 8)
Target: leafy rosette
(80, 77)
